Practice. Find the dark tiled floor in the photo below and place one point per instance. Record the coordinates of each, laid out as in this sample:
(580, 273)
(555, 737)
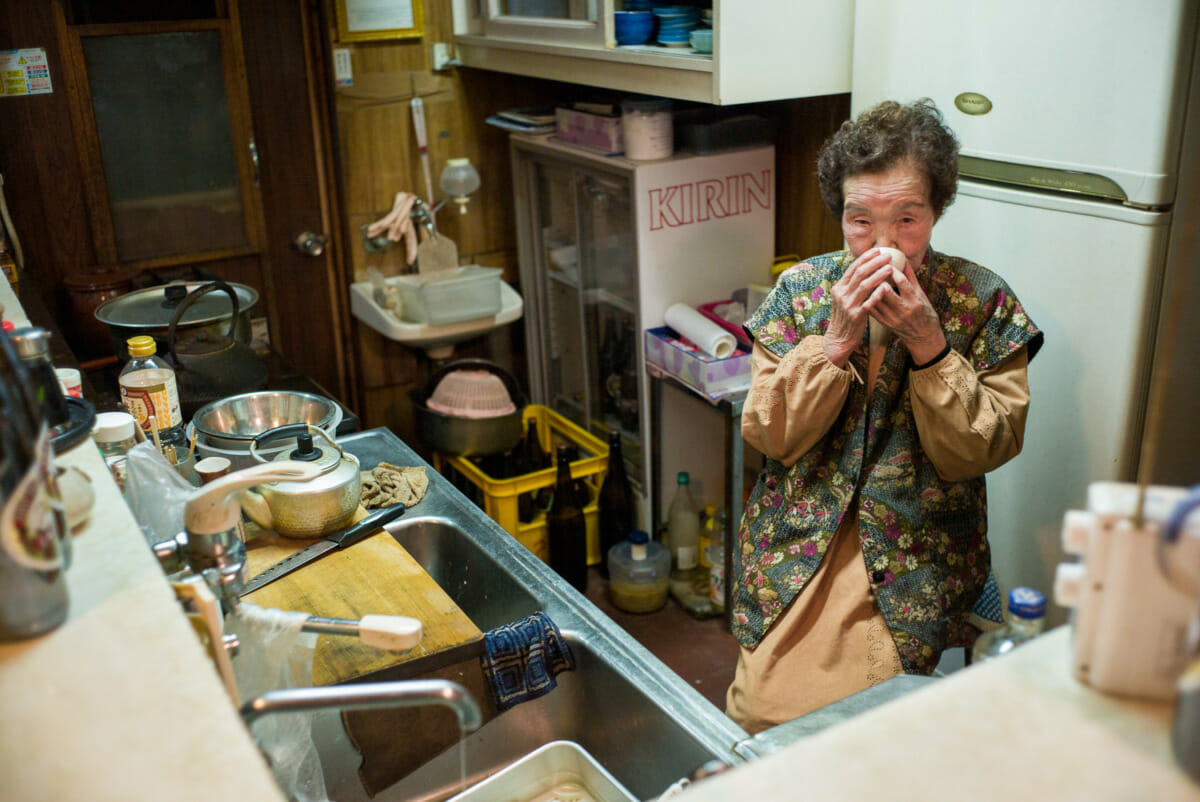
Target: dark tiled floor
(704, 653)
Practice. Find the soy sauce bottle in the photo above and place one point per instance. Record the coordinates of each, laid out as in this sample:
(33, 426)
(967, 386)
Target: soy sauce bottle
(566, 527)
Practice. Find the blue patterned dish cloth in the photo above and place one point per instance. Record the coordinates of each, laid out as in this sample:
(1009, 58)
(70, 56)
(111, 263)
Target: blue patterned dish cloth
(521, 659)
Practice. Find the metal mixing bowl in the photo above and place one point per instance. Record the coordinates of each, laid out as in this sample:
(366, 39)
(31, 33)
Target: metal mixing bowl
(234, 421)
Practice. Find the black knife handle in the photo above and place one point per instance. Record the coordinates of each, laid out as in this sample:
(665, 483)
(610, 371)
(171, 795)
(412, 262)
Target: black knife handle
(348, 537)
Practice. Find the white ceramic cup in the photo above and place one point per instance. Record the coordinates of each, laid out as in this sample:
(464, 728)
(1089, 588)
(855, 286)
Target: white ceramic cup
(211, 468)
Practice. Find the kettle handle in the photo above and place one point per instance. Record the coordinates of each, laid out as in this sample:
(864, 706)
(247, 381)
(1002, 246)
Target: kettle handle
(290, 430)
(216, 284)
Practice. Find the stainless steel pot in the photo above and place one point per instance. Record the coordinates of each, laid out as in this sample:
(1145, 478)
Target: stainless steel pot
(149, 312)
(234, 421)
(468, 437)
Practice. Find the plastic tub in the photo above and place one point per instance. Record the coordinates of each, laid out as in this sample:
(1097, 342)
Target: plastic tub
(639, 585)
(473, 293)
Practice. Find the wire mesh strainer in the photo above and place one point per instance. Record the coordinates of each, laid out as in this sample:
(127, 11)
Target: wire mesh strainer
(472, 394)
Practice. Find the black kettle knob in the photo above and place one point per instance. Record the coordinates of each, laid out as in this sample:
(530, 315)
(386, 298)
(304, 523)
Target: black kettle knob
(305, 451)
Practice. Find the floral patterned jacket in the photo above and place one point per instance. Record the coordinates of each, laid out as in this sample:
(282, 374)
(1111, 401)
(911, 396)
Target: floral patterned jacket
(924, 539)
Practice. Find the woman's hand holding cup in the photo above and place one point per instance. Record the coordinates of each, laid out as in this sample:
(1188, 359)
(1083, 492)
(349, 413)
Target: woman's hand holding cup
(854, 296)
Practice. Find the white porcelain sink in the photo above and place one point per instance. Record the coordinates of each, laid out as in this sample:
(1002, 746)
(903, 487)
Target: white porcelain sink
(437, 341)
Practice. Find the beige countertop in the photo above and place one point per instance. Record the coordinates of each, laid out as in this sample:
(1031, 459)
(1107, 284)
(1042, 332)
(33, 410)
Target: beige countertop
(120, 702)
(1017, 727)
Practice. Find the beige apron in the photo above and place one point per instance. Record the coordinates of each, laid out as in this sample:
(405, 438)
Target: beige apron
(829, 643)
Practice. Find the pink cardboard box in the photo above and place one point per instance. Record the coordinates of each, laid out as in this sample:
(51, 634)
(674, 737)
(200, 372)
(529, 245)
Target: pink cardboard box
(683, 359)
(595, 131)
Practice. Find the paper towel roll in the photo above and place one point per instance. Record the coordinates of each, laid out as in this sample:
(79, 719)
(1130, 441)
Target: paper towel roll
(700, 330)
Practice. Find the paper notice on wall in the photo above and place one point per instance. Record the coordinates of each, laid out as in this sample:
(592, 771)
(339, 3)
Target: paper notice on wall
(24, 72)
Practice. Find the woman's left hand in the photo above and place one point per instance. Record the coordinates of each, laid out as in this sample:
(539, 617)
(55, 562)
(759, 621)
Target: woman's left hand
(907, 312)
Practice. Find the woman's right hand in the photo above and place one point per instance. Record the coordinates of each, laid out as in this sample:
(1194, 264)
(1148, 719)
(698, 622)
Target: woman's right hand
(866, 277)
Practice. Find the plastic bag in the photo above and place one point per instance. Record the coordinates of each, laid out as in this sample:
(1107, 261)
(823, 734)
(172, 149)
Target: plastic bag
(274, 654)
(155, 492)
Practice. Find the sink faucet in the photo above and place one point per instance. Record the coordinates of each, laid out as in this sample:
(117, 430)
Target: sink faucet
(369, 696)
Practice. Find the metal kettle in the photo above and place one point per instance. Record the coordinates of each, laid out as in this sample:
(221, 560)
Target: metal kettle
(323, 504)
(209, 367)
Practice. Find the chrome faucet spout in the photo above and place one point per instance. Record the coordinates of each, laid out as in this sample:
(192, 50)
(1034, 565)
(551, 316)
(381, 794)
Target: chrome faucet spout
(369, 696)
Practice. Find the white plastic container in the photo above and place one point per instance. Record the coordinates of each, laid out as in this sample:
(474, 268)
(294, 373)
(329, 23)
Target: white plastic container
(473, 293)
(648, 128)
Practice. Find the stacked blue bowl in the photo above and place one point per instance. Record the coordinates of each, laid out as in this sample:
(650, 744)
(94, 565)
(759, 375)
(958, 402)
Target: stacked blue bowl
(633, 27)
(675, 24)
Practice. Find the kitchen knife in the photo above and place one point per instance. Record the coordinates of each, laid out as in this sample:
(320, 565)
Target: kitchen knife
(338, 540)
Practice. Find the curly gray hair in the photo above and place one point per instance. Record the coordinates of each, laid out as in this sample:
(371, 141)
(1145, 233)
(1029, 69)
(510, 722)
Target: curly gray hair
(886, 135)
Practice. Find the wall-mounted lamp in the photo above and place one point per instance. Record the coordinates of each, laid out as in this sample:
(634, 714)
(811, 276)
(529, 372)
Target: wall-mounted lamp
(459, 179)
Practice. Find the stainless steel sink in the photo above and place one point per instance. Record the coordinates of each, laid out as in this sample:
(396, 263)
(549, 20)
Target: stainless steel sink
(598, 707)
(628, 710)
(471, 577)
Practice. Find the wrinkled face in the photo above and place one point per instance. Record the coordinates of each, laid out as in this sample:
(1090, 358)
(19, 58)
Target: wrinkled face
(889, 209)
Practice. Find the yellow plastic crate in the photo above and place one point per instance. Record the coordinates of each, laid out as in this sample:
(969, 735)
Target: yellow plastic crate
(500, 495)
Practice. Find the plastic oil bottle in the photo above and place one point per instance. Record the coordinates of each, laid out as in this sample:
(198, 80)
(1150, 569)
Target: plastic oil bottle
(1026, 611)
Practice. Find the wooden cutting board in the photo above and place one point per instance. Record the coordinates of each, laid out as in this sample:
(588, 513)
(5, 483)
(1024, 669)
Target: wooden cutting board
(374, 576)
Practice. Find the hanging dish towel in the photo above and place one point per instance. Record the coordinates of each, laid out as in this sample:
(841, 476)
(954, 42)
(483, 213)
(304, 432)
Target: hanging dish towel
(521, 659)
(397, 224)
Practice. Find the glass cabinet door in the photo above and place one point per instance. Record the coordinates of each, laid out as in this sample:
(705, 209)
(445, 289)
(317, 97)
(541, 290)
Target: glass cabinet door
(608, 260)
(560, 333)
(580, 22)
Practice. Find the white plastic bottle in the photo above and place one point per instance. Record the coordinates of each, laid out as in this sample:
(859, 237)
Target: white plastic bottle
(683, 527)
(1026, 611)
(148, 389)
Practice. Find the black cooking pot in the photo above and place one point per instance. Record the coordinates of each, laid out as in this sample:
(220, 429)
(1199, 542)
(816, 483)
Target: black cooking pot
(468, 437)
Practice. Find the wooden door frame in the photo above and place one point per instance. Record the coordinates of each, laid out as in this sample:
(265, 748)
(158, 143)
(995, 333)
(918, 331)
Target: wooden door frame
(324, 351)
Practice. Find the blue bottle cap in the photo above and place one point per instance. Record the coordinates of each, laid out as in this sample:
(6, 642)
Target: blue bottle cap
(1026, 603)
(638, 537)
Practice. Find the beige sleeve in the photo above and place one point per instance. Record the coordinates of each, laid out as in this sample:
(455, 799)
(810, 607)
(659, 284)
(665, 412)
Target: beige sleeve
(970, 423)
(792, 400)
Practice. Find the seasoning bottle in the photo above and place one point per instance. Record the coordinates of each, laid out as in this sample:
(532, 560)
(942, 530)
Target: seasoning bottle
(33, 347)
(566, 527)
(148, 389)
(115, 433)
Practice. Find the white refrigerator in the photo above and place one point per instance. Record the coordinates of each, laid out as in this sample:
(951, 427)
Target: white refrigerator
(1073, 119)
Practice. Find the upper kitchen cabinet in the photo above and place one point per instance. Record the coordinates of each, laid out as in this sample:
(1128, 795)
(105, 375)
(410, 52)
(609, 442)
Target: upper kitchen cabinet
(762, 49)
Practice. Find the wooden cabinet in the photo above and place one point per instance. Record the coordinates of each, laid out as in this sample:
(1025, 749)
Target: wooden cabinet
(762, 50)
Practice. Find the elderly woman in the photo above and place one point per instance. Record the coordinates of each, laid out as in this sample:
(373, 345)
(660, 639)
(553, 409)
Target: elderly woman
(864, 544)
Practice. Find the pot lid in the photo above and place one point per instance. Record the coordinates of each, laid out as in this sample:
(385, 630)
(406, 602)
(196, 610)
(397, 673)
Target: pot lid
(153, 307)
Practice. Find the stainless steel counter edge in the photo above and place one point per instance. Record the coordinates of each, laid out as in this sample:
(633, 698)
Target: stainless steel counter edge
(566, 607)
